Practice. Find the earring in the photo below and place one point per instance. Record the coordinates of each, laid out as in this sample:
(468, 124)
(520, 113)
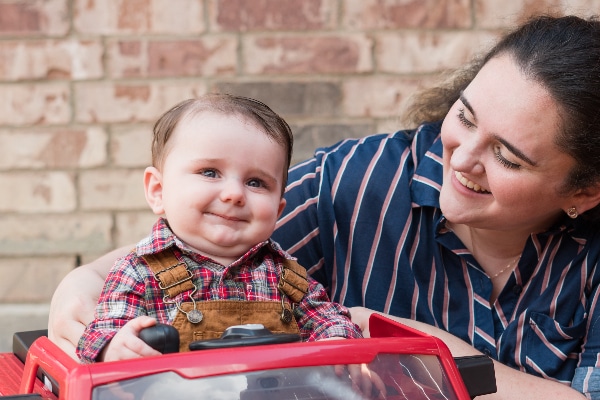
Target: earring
(572, 212)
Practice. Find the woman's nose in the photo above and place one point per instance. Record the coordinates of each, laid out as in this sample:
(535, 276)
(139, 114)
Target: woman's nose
(467, 157)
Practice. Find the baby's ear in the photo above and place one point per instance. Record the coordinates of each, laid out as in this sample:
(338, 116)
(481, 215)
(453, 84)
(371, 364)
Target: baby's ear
(282, 203)
(153, 190)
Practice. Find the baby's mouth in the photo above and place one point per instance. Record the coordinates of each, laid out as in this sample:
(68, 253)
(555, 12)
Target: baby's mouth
(469, 184)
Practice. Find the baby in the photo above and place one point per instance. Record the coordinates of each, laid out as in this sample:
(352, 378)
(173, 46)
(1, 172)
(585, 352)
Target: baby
(218, 174)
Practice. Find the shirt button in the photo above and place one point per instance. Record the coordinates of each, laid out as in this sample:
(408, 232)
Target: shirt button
(249, 287)
(486, 351)
(517, 289)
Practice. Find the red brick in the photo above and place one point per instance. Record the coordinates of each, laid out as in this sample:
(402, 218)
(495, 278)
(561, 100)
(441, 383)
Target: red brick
(34, 17)
(397, 14)
(310, 136)
(133, 15)
(418, 52)
(112, 189)
(130, 145)
(19, 18)
(133, 93)
(30, 279)
(42, 148)
(31, 192)
(132, 226)
(52, 234)
(50, 59)
(131, 102)
(168, 58)
(261, 15)
(30, 104)
(304, 54)
(138, 16)
(291, 99)
(379, 97)
(508, 13)
(128, 48)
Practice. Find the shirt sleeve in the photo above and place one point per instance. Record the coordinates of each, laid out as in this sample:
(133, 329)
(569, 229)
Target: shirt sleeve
(121, 300)
(587, 375)
(319, 318)
(336, 204)
(587, 381)
(298, 227)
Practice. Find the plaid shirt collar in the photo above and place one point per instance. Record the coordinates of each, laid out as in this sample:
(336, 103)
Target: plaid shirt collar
(162, 237)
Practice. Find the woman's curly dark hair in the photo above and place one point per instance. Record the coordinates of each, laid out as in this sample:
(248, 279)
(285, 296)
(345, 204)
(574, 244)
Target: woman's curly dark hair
(563, 55)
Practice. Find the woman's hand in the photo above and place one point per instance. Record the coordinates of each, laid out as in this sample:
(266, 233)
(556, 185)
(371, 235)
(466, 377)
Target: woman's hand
(364, 381)
(74, 301)
(512, 384)
(360, 316)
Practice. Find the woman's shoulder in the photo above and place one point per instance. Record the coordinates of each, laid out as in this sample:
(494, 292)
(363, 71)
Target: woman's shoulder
(353, 161)
(418, 140)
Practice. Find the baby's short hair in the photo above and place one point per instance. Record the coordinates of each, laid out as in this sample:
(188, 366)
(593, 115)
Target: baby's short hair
(252, 110)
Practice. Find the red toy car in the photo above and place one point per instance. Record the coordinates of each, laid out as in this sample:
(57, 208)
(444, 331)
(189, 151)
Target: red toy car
(412, 365)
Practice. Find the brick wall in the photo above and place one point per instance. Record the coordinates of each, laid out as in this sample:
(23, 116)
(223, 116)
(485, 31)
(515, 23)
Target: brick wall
(82, 81)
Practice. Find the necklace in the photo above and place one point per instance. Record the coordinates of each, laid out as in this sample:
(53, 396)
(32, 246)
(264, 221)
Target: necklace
(510, 264)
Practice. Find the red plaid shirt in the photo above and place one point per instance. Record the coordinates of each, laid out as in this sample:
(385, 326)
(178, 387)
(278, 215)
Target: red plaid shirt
(131, 290)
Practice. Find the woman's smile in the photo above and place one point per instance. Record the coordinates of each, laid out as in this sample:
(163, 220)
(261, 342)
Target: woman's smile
(470, 184)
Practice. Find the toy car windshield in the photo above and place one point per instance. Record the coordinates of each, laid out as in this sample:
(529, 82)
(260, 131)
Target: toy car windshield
(405, 376)
(407, 364)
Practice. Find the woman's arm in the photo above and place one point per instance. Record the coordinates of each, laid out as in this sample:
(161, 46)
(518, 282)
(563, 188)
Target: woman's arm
(511, 383)
(74, 301)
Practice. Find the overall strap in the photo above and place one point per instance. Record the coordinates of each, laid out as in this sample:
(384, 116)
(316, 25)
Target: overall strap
(293, 282)
(172, 274)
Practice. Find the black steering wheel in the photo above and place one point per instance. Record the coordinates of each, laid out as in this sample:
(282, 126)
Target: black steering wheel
(165, 338)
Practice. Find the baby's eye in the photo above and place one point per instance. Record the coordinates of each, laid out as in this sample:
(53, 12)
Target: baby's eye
(209, 173)
(257, 183)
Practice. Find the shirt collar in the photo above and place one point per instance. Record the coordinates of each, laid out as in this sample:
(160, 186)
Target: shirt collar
(427, 155)
(162, 238)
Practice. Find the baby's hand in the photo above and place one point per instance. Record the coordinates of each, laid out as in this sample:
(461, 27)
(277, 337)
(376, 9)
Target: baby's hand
(364, 381)
(127, 344)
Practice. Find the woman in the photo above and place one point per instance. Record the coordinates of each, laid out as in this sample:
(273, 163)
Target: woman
(479, 229)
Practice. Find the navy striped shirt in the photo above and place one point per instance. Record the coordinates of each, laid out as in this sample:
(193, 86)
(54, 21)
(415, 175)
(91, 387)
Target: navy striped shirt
(363, 216)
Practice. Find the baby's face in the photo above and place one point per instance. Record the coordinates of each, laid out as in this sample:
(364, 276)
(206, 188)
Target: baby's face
(221, 184)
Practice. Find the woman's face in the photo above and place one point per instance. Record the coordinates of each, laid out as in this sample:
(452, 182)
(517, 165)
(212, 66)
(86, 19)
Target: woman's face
(502, 168)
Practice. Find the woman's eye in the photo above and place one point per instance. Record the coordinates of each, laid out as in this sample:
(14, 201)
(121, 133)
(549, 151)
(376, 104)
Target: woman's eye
(504, 161)
(463, 120)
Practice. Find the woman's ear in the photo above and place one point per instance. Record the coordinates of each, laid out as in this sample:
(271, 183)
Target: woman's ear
(153, 189)
(586, 199)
